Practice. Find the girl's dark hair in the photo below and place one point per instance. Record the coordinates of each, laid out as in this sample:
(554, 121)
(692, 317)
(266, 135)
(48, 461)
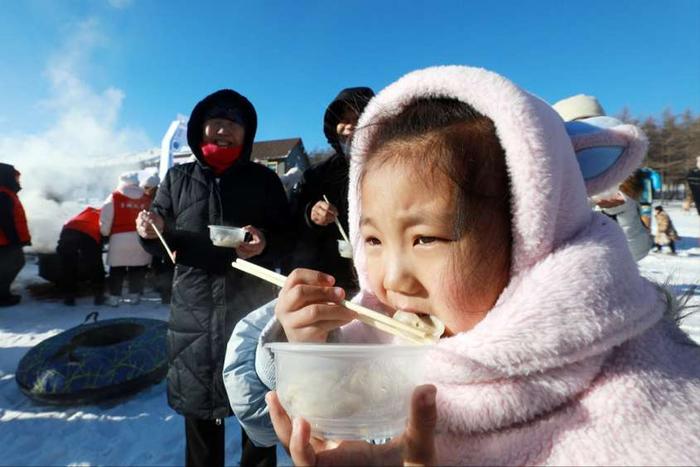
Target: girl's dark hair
(449, 136)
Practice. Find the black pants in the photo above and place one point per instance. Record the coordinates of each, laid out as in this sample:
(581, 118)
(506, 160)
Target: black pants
(81, 258)
(205, 446)
(163, 270)
(671, 245)
(135, 275)
(11, 263)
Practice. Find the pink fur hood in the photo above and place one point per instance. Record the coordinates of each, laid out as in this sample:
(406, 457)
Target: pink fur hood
(575, 364)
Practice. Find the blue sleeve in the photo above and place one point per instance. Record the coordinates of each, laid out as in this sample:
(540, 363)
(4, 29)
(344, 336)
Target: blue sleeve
(246, 390)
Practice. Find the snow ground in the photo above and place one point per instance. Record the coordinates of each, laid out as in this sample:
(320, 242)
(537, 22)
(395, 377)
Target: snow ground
(143, 430)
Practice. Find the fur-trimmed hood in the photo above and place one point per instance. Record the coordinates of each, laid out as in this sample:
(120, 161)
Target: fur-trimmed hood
(549, 197)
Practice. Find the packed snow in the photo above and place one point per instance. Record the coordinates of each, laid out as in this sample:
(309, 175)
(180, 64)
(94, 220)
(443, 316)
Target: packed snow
(143, 430)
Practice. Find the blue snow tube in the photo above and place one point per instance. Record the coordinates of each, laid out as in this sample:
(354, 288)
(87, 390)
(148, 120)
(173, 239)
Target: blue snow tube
(96, 361)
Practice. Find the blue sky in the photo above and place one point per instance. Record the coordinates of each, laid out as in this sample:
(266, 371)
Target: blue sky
(112, 74)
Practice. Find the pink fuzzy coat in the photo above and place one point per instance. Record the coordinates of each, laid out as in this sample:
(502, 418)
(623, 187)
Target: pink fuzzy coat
(577, 362)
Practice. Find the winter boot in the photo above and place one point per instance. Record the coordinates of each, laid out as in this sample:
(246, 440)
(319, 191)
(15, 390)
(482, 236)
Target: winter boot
(165, 298)
(112, 300)
(133, 298)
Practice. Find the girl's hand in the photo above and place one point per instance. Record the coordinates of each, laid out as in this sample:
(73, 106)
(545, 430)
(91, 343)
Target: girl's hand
(416, 446)
(308, 306)
(144, 221)
(323, 213)
(254, 247)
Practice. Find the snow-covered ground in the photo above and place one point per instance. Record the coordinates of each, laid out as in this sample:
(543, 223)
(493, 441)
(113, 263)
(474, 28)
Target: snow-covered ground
(143, 430)
(681, 272)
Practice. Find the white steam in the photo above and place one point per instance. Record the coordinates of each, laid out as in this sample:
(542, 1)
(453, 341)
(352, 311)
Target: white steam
(64, 167)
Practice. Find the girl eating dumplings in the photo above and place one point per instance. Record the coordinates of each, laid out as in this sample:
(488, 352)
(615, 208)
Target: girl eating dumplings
(468, 202)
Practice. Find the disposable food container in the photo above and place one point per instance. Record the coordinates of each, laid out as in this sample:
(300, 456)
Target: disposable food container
(230, 237)
(349, 391)
(344, 249)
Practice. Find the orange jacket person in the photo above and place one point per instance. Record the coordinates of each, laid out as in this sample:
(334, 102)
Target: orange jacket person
(14, 233)
(80, 248)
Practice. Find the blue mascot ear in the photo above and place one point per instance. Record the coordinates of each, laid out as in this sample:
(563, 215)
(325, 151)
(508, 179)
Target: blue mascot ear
(607, 151)
(596, 161)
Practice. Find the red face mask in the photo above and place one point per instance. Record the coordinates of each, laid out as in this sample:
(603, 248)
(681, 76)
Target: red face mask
(220, 158)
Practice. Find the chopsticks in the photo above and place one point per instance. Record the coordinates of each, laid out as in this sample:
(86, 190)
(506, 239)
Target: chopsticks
(370, 317)
(337, 222)
(162, 240)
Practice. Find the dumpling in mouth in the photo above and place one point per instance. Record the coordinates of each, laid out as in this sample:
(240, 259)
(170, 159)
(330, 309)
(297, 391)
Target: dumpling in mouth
(428, 323)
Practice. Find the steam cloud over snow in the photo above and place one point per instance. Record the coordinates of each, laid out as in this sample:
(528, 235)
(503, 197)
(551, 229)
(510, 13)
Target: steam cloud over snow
(59, 163)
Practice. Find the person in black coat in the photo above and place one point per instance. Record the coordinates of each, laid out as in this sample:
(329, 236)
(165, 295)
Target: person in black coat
(14, 233)
(318, 235)
(222, 187)
(694, 184)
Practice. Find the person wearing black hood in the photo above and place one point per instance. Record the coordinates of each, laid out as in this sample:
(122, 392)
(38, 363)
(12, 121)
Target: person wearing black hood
(315, 217)
(14, 233)
(222, 187)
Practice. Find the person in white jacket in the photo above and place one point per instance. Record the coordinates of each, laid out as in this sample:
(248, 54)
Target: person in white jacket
(126, 257)
(623, 207)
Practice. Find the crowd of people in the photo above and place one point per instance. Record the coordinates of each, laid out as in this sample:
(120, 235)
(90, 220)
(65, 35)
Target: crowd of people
(465, 197)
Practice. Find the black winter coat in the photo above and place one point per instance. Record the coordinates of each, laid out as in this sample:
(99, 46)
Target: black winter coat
(694, 185)
(209, 296)
(317, 246)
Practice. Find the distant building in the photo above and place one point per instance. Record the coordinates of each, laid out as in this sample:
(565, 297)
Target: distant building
(281, 155)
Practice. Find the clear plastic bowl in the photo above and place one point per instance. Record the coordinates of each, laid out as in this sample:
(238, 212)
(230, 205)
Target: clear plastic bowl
(230, 237)
(349, 391)
(345, 249)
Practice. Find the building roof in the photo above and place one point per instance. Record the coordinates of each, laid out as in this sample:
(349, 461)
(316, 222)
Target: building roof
(262, 150)
(274, 149)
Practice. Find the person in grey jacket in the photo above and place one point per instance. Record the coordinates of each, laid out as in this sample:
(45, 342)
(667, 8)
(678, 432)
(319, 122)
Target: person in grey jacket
(623, 208)
(625, 211)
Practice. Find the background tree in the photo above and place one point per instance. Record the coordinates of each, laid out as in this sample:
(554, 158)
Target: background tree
(674, 145)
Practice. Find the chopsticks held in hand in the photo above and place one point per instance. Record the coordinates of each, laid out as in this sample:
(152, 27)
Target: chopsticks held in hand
(162, 240)
(337, 222)
(370, 317)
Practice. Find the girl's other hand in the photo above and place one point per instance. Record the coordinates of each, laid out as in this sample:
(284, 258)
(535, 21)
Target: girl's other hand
(308, 306)
(255, 246)
(416, 446)
(144, 222)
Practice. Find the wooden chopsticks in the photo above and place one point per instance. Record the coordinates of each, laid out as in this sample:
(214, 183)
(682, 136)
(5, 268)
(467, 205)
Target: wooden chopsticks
(162, 240)
(370, 317)
(337, 223)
